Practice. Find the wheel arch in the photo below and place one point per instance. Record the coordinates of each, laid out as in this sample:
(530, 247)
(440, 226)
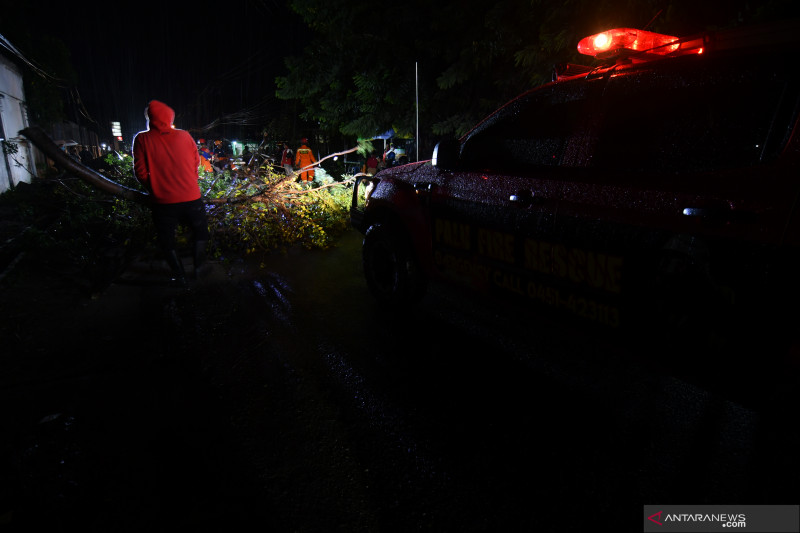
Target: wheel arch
(391, 264)
(396, 202)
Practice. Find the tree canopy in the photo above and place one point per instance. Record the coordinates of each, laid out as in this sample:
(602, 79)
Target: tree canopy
(367, 65)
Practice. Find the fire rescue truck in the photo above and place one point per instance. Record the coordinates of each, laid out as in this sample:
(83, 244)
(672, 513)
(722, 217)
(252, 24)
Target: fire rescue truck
(652, 194)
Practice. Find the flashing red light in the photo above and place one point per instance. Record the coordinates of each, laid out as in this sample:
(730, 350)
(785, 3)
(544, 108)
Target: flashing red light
(611, 42)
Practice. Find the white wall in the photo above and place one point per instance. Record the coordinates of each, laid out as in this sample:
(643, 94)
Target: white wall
(18, 167)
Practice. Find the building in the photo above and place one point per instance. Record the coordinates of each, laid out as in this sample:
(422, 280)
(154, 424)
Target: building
(17, 159)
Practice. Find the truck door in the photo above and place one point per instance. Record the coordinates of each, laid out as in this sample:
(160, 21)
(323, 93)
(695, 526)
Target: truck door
(687, 186)
(493, 219)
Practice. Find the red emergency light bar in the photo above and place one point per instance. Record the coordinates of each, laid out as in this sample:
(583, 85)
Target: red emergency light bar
(627, 41)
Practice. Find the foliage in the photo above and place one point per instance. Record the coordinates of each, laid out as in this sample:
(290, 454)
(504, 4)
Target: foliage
(250, 211)
(67, 219)
(9, 148)
(258, 209)
(274, 212)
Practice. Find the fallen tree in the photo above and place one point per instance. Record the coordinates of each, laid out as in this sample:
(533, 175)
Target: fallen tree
(44, 143)
(48, 147)
(252, 209)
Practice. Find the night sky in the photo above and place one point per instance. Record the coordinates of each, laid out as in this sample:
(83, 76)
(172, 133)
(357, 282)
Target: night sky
(207, 60)
(210, 61)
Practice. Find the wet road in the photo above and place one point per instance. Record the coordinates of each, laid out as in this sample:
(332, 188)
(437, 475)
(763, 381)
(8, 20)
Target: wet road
(280, 397)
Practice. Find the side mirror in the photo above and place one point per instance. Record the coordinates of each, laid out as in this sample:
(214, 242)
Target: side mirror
(446, 154)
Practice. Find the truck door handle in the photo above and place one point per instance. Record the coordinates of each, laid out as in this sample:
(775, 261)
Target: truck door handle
(424, 188)
(719, 214)
(714, 212)
(525, 198)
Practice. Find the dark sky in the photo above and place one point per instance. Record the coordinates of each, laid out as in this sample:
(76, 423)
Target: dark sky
(207, 60)
(210, 61)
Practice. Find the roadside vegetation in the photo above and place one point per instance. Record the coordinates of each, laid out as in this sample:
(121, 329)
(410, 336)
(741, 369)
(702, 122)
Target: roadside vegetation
(251, 212)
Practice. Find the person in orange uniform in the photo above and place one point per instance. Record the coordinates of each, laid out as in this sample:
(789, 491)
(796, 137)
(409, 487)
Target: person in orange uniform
(303, 158)
(205, 157)
(165, 161)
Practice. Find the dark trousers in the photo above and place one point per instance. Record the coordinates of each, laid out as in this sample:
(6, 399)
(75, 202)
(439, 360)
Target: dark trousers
(167, 217)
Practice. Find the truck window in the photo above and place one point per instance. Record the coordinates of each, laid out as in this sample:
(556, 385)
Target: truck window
(718, 116)
(531, 132)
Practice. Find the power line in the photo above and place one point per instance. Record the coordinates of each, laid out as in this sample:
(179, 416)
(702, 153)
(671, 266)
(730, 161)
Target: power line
(73, 93)
(36, 69)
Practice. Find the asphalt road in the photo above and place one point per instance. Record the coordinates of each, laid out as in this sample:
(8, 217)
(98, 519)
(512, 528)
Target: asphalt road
(277, 396)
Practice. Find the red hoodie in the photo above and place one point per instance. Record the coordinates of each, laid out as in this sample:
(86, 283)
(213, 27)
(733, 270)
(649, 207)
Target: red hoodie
(165, 159)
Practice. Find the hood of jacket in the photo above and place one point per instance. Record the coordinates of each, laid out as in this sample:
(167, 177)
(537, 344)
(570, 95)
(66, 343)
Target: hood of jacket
(160, 115)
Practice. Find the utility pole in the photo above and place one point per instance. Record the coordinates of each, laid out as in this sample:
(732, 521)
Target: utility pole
(416, 85)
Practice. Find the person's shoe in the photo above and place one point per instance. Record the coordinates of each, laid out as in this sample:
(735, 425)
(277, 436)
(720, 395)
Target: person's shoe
(179, 282)
(178, 278)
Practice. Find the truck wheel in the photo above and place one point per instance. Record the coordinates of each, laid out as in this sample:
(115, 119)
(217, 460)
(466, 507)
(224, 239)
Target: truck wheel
(393, 274)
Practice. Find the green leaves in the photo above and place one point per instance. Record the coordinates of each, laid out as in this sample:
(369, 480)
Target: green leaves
(249, 210)
(276, 213)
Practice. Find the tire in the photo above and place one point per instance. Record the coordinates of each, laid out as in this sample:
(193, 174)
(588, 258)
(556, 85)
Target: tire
(392, 272)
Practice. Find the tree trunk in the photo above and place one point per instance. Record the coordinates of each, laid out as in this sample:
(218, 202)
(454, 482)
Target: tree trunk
(44, 143)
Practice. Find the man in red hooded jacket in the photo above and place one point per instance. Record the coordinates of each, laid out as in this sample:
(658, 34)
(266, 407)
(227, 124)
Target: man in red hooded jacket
(165, 161)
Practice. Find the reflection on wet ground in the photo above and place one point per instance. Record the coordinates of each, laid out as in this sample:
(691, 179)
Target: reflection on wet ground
(282, 397)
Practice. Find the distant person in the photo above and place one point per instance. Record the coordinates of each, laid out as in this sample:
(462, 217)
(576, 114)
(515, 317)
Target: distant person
(86, 156)
(205, 158)
(219, 160)
(287, 160)
(165, 161)
(73, 153)
(304, 158)
(371, 166)
(389, 156)
(205, 152)
(219, 150)
(246, 155)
